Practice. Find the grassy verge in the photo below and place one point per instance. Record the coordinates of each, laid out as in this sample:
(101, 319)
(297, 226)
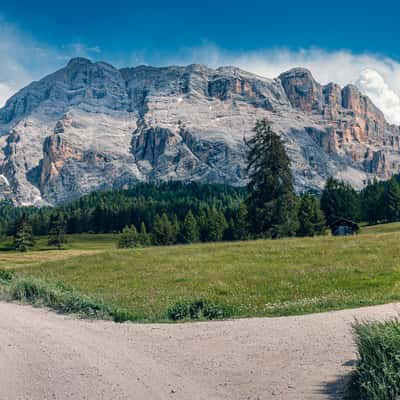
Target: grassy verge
(377, 375)
(57, 297)
(66, 300)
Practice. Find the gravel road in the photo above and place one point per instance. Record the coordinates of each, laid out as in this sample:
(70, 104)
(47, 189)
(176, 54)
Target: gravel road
(48, 356)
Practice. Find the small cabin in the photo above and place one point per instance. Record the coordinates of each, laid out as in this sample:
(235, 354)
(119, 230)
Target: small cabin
(344, 227)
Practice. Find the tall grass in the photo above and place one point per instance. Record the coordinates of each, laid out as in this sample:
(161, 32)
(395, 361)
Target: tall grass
(61, 298)
(377, 375)
(6, 276)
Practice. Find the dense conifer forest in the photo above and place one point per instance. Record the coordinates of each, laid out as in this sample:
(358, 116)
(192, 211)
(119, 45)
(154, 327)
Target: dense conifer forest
(175, 212)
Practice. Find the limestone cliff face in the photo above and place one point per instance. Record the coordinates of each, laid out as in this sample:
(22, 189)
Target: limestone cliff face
(91, 126)
(303, 92)
(354, 126)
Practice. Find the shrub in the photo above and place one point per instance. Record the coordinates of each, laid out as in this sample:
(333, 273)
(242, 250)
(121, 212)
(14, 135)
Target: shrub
(198, 309)
(377, 375)
(6, 276)
(122, 315)
(128, 238)
(178, 311)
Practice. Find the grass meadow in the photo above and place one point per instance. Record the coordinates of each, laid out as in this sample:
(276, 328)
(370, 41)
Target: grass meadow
(253, 278)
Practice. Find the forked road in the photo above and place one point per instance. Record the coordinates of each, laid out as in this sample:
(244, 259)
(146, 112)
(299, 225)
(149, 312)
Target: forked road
(47, 356)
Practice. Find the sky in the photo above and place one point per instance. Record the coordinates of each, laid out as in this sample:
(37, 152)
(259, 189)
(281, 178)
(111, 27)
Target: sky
(342, 41)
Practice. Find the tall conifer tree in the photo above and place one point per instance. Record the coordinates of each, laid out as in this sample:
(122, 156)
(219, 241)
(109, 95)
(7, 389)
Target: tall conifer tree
(23, 238)
(311, 218)
(190, 230)
(392, 200)
(164, 231)
(57, 231)
(271, 203)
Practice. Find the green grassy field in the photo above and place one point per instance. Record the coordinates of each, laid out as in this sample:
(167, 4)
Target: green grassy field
(256, 278)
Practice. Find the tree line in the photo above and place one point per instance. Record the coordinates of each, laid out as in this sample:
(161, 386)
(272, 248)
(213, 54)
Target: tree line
(176, 212)
(378, 202)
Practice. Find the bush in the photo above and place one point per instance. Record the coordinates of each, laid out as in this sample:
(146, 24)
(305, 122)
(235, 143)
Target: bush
(128, 238)
(377, 375)
(121, 315)
(6, 276)
(198, 309)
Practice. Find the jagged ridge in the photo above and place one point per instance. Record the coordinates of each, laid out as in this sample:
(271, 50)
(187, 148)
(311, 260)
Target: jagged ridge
(90, 126)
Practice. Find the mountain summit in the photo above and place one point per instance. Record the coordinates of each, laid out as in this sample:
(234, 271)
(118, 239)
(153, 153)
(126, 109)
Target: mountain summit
(92, 126)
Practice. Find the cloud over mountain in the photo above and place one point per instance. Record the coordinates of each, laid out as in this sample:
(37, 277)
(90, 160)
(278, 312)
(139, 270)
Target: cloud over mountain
(373, 83)
(23, 59)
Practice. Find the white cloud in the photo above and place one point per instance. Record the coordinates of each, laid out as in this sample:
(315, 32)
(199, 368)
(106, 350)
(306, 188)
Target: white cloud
(5, 91)
(81, 49)
(23, 59)
(373, 83)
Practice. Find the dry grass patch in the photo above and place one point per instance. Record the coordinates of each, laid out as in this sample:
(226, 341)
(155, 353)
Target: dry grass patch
(16, 260)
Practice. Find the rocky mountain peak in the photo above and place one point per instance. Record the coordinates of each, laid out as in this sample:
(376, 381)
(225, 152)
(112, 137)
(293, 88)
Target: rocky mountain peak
(298, 73)
(78, 62)
(90, 126)
(302, 89)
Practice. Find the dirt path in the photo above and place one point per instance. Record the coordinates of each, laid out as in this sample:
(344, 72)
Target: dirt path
(47, 356)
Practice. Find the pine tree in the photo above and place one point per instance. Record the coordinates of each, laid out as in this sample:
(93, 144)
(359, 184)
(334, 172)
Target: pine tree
(128, 238)
(310, 216)
(215, 225)
(392, 200)
(99, 218)
(144, 237)
(271, 203)
(305, 215)
(240, 227)
(372, 202)
(230, 230)
(318, 219)
(176, 228)
(57, 230)
(163, 231)
(23, 238)
(202, 223)
(190, 231)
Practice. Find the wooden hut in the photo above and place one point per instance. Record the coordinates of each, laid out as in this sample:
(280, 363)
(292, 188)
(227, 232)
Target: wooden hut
(344, 227)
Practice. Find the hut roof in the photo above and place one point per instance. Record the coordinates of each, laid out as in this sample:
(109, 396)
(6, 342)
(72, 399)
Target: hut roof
(343, 221)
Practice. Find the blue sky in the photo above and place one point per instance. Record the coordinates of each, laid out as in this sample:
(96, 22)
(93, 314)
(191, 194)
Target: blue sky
(154, 29)
(343, 41)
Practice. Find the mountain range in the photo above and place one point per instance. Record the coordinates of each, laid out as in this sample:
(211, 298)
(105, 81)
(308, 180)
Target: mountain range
(91, 126)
